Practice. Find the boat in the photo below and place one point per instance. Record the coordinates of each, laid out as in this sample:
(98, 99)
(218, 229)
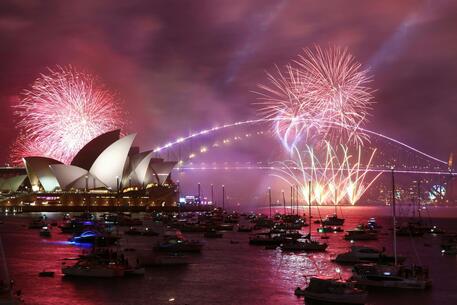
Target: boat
(372, 224)
(306, 244)
(100, 263)
(361, 254)
(267, 239)
(392, 276)
(335, 291)
(397, 276)
(361, 232)
(175, 242)
(95, 270)
(333, 220)
(94, 237)
(45, 232)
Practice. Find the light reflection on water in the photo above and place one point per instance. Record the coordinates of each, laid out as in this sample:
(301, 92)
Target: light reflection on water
(225, 273)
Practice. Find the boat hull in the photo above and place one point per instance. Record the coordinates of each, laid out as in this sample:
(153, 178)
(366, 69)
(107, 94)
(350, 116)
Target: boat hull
(335, 298)
(92, 272)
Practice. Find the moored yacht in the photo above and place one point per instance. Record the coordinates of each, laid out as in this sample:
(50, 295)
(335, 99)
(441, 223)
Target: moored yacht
(333, 220)
(392, 276)
(175, 242)
(306, 244)
(360, 254)
(361, 232)
(376, 275)
(333, 291)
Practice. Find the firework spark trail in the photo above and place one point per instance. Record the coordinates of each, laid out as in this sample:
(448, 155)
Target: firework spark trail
(334, 180)
(322, 86)
(62, 111)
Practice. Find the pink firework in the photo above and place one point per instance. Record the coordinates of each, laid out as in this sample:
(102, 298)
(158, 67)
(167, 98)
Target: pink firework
(283, 101)
(337, 85)
(323, 96)
(63, 110)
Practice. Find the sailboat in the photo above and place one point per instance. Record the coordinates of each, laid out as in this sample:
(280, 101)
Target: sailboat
(7, 297)
(395, 276)
(306, 243)
(333, 220)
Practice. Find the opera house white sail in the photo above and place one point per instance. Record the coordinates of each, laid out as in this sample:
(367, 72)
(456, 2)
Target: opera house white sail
(106, 162)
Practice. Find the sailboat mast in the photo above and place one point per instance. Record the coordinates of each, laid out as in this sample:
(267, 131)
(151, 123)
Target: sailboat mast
(394, 217)
(418, 197)
(309, 206)
(336, 200)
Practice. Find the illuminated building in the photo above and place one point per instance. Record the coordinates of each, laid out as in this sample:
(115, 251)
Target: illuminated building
(106, 172)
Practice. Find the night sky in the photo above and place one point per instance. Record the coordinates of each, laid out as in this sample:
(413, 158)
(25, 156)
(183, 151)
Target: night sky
(188, 65)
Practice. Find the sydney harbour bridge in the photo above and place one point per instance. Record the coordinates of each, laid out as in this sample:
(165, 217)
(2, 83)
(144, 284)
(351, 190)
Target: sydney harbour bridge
(249, 150)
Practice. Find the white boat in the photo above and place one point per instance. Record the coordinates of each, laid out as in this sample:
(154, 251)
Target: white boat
(395, 276)
(374, 275)
(332, 291)
(361, 254)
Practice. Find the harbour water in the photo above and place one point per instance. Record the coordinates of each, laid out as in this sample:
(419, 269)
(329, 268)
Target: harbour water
(228, 271)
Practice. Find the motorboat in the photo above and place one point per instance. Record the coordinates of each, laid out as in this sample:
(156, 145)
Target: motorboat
(372, 224)
(307, 245)
(335, 291)
(175, 242)
(361, 232)
(102, 263)
(361, 254)
(397, 276)
(94, 237)
(333, 220)
(267, 239)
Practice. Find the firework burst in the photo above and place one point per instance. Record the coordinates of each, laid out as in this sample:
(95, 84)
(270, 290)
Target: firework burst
(323, 96)
(62, 111)
(336, 177)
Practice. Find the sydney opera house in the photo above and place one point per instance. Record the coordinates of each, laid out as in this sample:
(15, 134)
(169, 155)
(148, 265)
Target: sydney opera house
(107, 172)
